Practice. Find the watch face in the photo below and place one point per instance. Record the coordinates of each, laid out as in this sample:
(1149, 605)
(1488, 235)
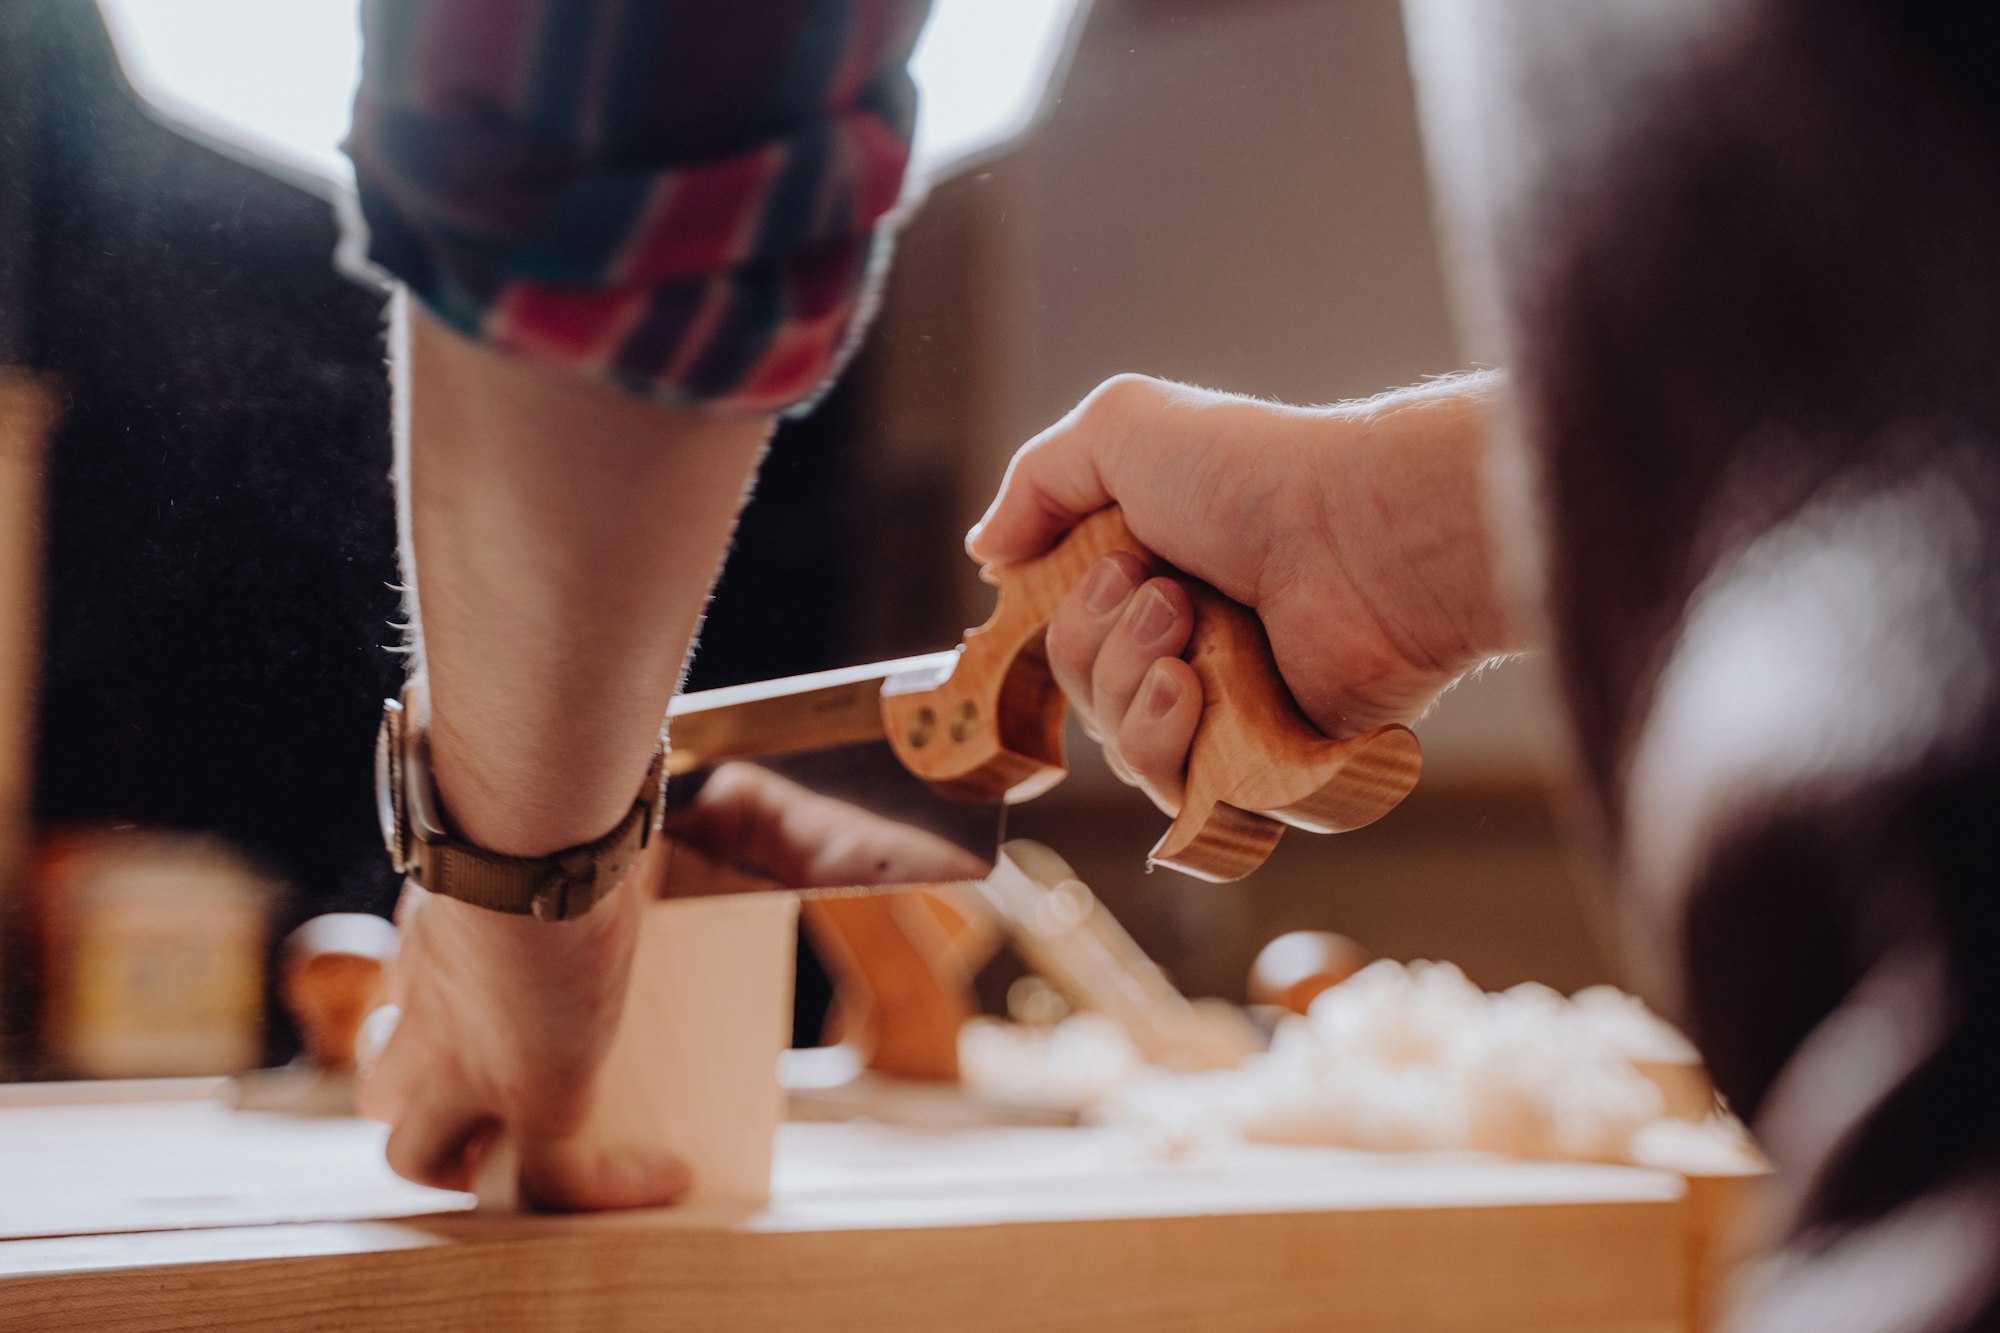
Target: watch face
(389, 783)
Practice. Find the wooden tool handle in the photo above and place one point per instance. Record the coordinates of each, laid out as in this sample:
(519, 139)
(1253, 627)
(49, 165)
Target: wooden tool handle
(333, 974)
(902, 966)
(993, 729)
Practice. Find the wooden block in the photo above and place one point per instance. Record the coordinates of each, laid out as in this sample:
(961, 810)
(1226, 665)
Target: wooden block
(902, 967)
(1727, 1213)
(695, 1061)
(693, 1068)
(27, 414)
(1685, 1091)
(1719, 1213)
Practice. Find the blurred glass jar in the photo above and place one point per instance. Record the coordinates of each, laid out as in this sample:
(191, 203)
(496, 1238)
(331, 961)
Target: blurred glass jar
(152, 950)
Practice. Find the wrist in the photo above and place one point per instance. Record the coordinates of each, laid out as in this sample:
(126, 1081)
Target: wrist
(558, 809)
(1413, 493)
(434, 853)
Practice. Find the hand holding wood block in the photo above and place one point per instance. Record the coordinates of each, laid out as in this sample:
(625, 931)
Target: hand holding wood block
(694, 1066)
(669, 1079)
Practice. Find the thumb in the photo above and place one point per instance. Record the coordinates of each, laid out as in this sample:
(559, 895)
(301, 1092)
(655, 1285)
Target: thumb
(577, 1175)
(1041, 498)
(1064, 473)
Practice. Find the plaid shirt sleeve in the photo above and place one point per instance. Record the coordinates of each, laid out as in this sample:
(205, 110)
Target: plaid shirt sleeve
(687, 199)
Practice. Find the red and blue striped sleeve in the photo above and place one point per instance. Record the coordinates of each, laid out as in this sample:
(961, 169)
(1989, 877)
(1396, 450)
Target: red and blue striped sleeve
(688, 199)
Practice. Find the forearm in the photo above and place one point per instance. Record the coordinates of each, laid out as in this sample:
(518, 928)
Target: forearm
(562, 538)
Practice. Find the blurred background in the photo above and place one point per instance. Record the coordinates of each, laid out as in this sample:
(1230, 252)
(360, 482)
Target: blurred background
(197, 555)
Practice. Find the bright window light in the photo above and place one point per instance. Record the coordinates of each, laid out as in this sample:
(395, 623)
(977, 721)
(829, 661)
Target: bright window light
(272, 79)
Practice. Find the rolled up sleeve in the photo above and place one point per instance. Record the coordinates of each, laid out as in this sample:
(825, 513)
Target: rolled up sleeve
(690, 200)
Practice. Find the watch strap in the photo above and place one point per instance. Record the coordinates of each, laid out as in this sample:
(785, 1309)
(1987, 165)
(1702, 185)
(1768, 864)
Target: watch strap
(559, 887)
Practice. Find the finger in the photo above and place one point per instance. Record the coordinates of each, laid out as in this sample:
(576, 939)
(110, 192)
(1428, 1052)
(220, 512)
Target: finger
(1064, 473)
(432, 1136)
(1050, 484)
(1158, 730)
(568, 1175)
(1079, 626)
(1156, 623)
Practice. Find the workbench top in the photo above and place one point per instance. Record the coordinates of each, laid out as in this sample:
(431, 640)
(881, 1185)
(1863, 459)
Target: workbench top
(183, 1213)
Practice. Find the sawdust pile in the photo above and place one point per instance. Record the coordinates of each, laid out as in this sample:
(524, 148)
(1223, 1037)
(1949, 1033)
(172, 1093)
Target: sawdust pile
(1396, 1058)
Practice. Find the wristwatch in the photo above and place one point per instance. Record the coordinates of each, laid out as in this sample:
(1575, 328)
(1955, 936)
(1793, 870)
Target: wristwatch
(559, 887)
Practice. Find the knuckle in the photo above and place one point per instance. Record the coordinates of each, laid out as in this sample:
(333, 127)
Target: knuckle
(1122, 394)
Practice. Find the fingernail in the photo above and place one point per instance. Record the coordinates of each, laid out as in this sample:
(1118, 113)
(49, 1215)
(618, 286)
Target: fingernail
(1107, 585)
(1155, 617)
(972, 535)
(1162, 693)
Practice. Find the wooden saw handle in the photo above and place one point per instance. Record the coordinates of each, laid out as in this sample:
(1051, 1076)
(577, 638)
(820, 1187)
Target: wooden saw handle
(992, 730)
